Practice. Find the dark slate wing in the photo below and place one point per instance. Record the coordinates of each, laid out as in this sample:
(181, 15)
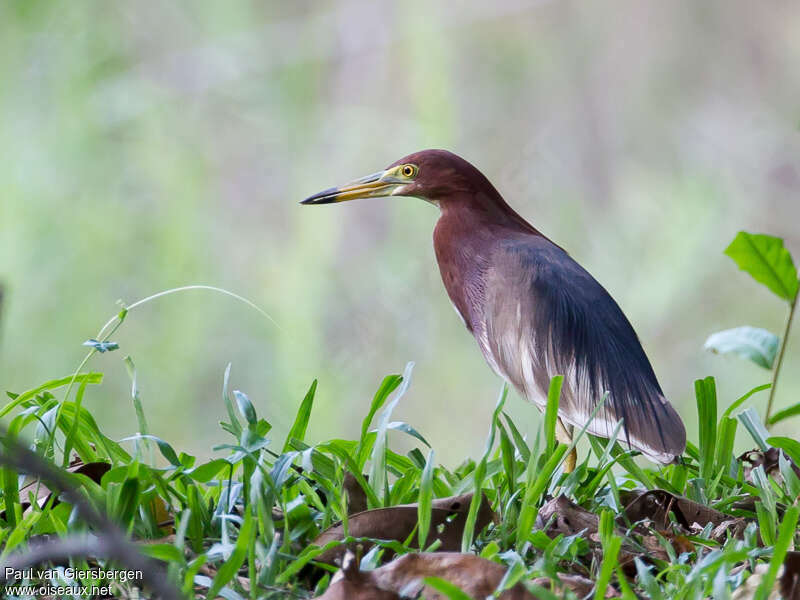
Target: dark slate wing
(544, 315)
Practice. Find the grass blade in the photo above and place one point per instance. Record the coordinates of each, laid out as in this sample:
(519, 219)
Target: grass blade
(298, 430)
(533, 492)
(706, 394)
(752, 423)
(480, 473)
(387, 386)
(89, 378)
(519, 441)
(786, 413)
(551, 411)
(377, 471)
(786, 535)
(236, 427)
(507, 455)
(425, 500)
(611, 547)
(726, 436)
(742, 399)
(231, 566)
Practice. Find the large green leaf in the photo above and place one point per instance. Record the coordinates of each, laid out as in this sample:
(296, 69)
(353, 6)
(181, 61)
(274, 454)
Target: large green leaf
(767, 261)
(754, 343)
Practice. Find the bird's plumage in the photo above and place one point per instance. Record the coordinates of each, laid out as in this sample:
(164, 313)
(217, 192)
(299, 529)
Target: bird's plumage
(533, 310)
(537, 313)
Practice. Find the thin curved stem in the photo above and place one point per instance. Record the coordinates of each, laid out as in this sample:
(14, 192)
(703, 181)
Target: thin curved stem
(116, 321)
(778, 364)
(203, 287)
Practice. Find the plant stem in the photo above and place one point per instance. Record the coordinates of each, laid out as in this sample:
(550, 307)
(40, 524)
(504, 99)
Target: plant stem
(777, 370)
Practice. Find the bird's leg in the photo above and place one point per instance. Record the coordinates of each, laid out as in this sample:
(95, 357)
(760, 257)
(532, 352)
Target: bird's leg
(564, 435)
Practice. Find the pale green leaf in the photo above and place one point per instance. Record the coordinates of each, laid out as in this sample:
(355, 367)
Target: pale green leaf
(753, 343)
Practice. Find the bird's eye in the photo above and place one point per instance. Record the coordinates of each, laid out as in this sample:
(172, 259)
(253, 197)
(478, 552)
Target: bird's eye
(408, 170)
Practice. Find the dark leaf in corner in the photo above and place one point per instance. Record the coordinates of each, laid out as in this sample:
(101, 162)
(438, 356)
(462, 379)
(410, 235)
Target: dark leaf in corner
(790, 578)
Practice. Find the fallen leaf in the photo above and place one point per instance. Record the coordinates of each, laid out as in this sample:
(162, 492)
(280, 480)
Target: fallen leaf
(356, 496)
(569, 517)
(448, 518)
(344, 589)
(656, 505)
(350, 583)
(768, 460)
(476, 576)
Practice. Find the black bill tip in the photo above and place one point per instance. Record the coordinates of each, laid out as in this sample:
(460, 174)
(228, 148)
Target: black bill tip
(324, 197)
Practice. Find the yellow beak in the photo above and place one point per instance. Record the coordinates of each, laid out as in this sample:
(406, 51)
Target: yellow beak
(376, 185)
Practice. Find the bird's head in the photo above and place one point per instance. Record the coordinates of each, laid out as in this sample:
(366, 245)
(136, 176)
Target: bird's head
(433, 175)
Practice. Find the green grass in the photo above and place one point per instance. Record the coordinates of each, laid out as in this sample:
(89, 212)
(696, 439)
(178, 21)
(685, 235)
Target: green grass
(241, 525)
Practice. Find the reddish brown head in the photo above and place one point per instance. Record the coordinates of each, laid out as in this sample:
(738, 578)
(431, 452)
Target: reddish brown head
(440, 177)
(437, 176)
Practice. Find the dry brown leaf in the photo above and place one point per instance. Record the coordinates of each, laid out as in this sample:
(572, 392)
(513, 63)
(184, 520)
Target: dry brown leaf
(351, 584)
(476, 576)
(655, 506)
(769, 460)
(654, 548)
(344, 589)
(356, 496)
(569, 518)
(397, 523)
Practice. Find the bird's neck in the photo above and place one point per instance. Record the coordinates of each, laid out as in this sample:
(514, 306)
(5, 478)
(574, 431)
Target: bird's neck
(466, 234)
(482, 211)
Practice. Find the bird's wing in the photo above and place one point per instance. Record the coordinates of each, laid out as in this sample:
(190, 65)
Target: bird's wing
(544, 315)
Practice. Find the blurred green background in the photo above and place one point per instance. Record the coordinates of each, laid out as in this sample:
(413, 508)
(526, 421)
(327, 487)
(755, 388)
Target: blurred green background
(147, 145)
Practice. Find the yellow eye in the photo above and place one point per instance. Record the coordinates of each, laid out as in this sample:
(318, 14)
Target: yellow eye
(408, 170)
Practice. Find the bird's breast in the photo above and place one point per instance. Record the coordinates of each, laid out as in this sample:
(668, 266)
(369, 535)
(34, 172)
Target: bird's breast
(463, 253)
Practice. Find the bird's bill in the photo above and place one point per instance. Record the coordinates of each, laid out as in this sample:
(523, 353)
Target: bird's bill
(376, 185)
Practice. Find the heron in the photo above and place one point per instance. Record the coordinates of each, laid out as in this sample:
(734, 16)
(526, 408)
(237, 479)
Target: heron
(533, 310)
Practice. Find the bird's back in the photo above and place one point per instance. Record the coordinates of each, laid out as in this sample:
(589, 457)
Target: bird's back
(536, 313)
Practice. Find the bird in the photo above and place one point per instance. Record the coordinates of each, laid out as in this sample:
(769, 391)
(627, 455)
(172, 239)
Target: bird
(533, 310)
